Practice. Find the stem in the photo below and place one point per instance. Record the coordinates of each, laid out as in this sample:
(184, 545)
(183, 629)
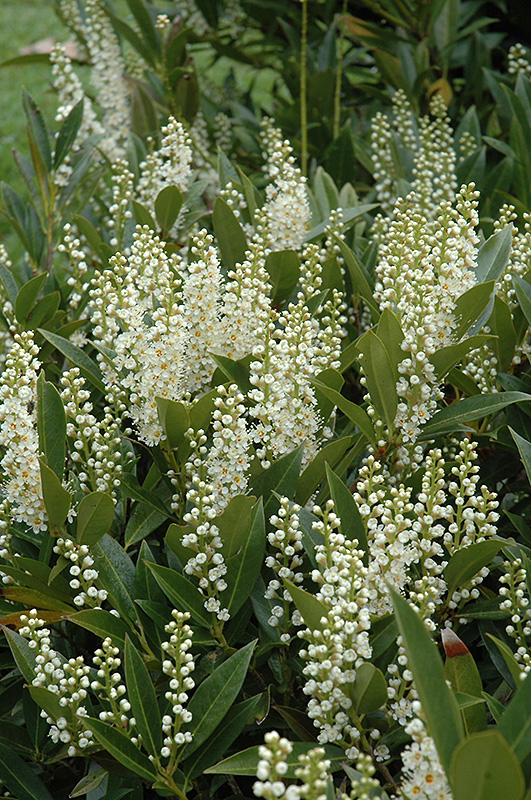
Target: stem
(304, 110)
(339, 74)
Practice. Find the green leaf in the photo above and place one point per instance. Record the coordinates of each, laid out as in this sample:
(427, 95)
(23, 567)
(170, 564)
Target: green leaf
(438, 703)
(143, 699)
(167, 206)
(56, 498)
(33, 598)
(103, 624)
(348, 215)
(51, 425)
(95, 514)
(284, 269)
(143, 216)
(77, 356)
(352, 526)
(234, 523)
(470, 306)
(333, 379)
(89, 782)
(447, 357)
(43, 311)
(485, 768)
(67, 134)
(19, 778)
(493, 255)
(22, 653)
(27, 296)
(49, 701)
(116, 574)
(37, 132)
(461, 670)
(515, 725)
(229, 234)
(174, 419)
(143, 521)
(514, 667)
(181, 593)
(361, 282)
(467, 562)
(11, 288)
(131, 488)
(354, 413)
(281, 477)
(524, 448)
(501, 325)
(218, 742)
(315, 471)
(380, 376)
(311, 609)
(369, 691)
(215, 695)
(523, 293)
(391, 335)
(470, 408)
(121, 748)
(243, 569)
(246, 762)
(235, 371)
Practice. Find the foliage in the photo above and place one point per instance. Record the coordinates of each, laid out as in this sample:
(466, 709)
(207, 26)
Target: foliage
(264, 437)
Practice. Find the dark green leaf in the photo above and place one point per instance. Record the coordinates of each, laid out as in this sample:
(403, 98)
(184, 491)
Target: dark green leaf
(167, 206)
(77, 356)
(369, 691)
(174, 419)
(461, 670)
(472, 305)
(469, 409)
(229, 234)
(467, 562)
(246, 762)
(244, 568)
(27, 296)
(524, 448)
(355, 413)
(51, 425)
(19, 778)
(22, 653)
(235, 371)
(95, 514)
(116, 574)
(141, 695)
(283, 268)
(346, 508)
(103, 624)
(493, 255)
(447, 357)
(311, 609)
(56, 498)
(281, 477)
(67, 134)
(121, 748)
(380, 376)
(89, 782)
(181, 593)
(485, 768)
(234, 523)
(314, 473)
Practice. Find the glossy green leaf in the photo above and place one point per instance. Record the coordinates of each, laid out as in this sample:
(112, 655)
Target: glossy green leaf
(103, 624)
(19, 778)
(390, 333)
(314, 473)
(215, 695)
(50, 703)
(168, 203)
(235, 371)
(246, 762)
(244, 568)
(234, 523)
(461, 670)
(51, 425)
(22, 653)
(11, 288)
(447, 357)
(131, 488)
(470, 306)
(283, 268)
(333, 379)
(355, 413)
(311, 609)
(143, 521)
(468, 410)
(67, 134)
(143, 699)
(380, 376)
(37, 132)
(89, 782)
(352, 526)
(33, 598)
(143, 216)
(465, 563)
(512, 664)
(218, 742)
(281, 477)
(515, 725)
(485, 768)
(116, 574)
(27, 296)
(438, 703)
(174, 419)
(369, 691)
(361, 282)
(493, 255)
(121, 748)
(524, 448)
(523, 293)
(95, 514)
(229, 234)
(78, 357)
(56, 498)
(348, 215)
(501, 325)
(181, 593)
(43, 311)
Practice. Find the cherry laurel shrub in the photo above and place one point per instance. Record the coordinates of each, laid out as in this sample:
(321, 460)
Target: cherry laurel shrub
(265, 451)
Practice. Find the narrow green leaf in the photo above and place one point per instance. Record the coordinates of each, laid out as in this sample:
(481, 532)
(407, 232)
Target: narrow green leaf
(234, 523)
(37, 129)
(281, 477)
(314, 473)
(243, 569)
(512, 664)
(348, 215)
(215, 695)
(485, 768)
(346, 508)
(95, 514)
(524, 448)
(103, 624)
(501, 325)
(447, 357)
(56, 498)
(461, 670)
(27, 296)
(246, 761)
(361, 282)
(131, 488)
(19, 778)
(229, 234)
(515, 725)
(391, 335)
(174, 419)
(89, 782)
(51, 425)
(77, 356)
(67, 134)
(284, 269)
(143, 700)
(33, 598)
(143, 521)
(235, 371)
(168, 203)
(11, 288)
(122, 749)
(369, 691)
(523, 293)
(43, 311)
(22, 653)
(467, 562)
(181, 593)
(311, 609)
(438, 703)
(380, 376)
(355, 413)
(468, 410)
(493, 255)
(116, 574)
(470, 306)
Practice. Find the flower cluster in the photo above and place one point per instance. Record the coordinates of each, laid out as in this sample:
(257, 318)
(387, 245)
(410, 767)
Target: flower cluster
(273, 766)
(177, 665)
(286, 543)
(110, 688)
(227, 462)
(515, 600)
(83, 573)
(424, 776)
